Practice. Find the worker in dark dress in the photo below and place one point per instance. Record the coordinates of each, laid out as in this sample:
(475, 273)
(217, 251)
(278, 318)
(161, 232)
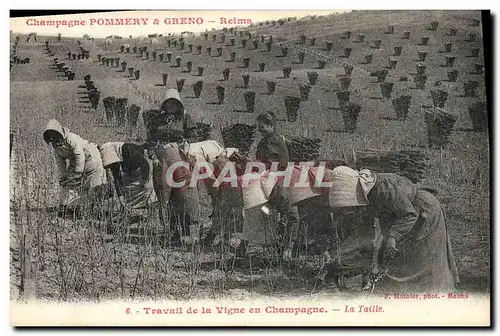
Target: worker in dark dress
(417, 251)
(272, 149)
(132, 173)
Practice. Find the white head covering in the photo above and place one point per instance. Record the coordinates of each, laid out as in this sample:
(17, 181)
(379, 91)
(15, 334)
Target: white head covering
(173, 94)
(111, 152)
(367, 179)
(350, 187)
(298, 193)
(55, 126)
(258, 191)
(230, 151)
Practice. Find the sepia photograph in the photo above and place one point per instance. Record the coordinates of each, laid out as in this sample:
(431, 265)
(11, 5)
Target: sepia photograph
(250, 168)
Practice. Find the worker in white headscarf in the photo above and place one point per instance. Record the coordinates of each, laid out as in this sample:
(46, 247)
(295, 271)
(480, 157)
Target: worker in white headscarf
(170, 122)
(78, 160)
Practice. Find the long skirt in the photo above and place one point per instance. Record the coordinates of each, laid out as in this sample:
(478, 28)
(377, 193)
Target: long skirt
(94, 176)
(425, 262)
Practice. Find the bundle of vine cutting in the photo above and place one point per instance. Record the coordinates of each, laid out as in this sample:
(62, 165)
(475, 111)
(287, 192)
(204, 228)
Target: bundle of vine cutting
(409, 163)
(239, 136)
(302, 149)
(203, 131)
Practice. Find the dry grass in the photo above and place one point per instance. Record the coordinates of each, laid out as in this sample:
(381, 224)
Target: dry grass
(77, 259)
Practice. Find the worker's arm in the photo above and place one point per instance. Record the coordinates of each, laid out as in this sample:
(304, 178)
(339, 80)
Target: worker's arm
(391, 199)
(77, 148)
(117, 178)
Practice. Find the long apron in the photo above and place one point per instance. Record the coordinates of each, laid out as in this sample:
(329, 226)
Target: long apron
(227, 201)
(185, 200)
(425, 262)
